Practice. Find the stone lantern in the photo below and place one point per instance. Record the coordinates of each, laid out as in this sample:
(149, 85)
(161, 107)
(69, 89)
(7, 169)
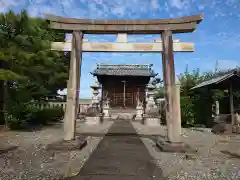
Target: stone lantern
(150, 97)
(93, 113)
(151, 116)
(139, 113)
(95, 91)
(106, 109)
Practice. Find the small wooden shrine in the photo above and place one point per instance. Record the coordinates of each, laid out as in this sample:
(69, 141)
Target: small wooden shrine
(124, 84)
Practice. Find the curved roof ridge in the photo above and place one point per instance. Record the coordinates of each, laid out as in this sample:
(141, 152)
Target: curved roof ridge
(123, 66)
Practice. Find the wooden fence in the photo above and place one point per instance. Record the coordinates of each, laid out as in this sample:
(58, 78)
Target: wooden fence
(82, 107)
(84, 104)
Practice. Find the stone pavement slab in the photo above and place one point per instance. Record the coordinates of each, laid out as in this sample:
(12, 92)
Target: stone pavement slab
(120, 156)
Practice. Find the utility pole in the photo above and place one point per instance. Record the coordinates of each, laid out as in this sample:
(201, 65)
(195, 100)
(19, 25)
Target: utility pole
(138, 96)
(124, 94)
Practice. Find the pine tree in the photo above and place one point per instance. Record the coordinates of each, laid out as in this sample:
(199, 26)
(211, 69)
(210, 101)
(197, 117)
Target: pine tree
(31, 69)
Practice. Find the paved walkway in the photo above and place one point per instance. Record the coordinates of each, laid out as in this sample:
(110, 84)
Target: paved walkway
(121, 155)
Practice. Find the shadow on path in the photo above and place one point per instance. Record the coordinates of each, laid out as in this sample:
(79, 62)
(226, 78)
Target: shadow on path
(120, 157)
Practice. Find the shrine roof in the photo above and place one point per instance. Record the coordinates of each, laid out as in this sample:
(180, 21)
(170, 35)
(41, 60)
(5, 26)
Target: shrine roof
(124, 70)
(221, 80)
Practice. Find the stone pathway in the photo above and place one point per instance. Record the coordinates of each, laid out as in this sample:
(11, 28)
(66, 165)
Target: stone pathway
(120, 155)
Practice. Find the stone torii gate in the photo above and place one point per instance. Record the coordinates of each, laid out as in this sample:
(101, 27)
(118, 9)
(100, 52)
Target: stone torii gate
(164, 27)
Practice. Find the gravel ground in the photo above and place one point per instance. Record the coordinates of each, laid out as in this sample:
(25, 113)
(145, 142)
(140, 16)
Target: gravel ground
(218, 157)
(30, 161)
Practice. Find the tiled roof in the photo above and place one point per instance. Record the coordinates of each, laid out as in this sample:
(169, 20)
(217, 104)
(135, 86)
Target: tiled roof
(124, 70)
(218, 78)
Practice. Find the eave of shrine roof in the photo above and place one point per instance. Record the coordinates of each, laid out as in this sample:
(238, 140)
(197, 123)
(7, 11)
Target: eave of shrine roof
(124, 70)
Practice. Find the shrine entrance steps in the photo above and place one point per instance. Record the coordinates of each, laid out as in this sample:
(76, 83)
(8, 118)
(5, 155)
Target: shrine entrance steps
(121, 155)
(121, 113)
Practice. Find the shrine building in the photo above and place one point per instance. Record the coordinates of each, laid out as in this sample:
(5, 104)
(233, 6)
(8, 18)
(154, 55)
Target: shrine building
(124, 84)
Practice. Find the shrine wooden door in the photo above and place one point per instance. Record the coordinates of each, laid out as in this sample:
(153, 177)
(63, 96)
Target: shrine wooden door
(118, 97)
(129, 97)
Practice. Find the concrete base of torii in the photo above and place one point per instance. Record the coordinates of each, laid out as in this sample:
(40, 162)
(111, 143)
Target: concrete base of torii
(177, 147)
(68, 145)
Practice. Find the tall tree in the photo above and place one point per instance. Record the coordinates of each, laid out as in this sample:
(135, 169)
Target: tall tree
(33, 71)
(25, 45)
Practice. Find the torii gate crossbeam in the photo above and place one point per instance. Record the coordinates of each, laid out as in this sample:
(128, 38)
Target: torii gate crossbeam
(119, 47)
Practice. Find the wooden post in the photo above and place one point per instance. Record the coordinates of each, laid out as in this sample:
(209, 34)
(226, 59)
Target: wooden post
(231, 103)
(178, 108)
(217, 109)
(124, 93)
(73, 88)
(101, 104)
(169, 84)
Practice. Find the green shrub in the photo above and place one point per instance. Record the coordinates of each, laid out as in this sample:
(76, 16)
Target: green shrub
(14, 123)
(187, 113)
(53, 114)
(19, 115)
(23, 116)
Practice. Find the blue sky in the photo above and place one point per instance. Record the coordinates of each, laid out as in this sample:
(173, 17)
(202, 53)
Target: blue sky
(217, 38)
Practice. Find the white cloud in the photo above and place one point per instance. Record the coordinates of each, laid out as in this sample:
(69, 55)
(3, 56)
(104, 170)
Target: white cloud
(228, 64)
(86, 93)
(201, 7)
(219, 13)
(37, 1)
(83, 92)
(6, 4)
(66, 3)
(62, 92)
(166, 6)
(142, 38)
(155, 4)
(118, 11)
(95, 11)
(37, 10)
(229, 38)
(231, 1)
(103, 9)
(179, 4)
(219, 64)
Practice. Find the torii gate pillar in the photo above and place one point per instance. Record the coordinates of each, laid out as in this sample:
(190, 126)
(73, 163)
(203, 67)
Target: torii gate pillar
(73, 87)
(164, 26)
(170, 88)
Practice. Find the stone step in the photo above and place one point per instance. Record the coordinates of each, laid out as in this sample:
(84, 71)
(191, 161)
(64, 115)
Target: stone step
(122, 113)
(120, 110)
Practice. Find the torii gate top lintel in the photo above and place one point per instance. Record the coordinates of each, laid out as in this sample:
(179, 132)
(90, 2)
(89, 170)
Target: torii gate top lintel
(155, 26)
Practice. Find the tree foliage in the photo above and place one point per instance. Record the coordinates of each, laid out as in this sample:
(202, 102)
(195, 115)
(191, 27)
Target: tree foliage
(196, 105)
(25, 46)
(31, 69)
